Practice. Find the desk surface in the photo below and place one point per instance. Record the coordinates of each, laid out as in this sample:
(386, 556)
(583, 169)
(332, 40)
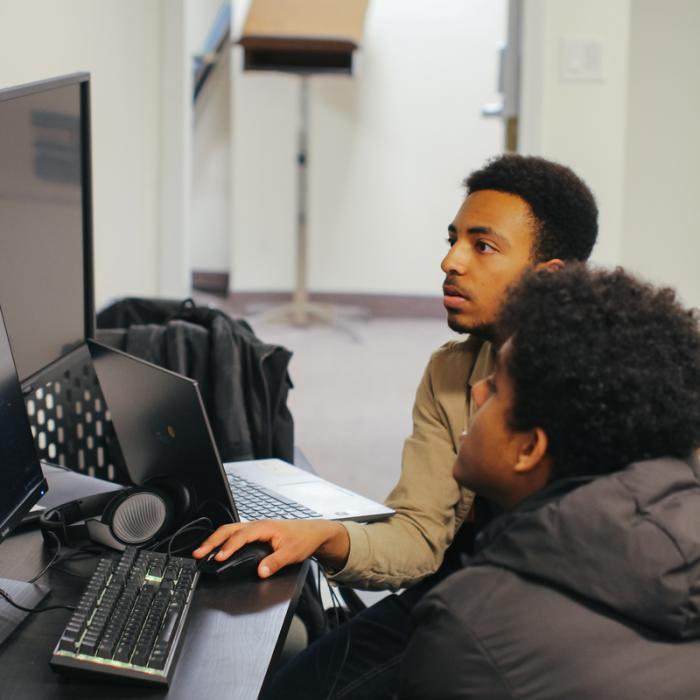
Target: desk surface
(236, 630)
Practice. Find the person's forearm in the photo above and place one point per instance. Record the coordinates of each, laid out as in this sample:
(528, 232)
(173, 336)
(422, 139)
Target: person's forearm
(334, 551)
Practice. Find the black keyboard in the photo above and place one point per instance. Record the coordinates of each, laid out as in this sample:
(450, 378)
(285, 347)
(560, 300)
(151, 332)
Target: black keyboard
(254, 502)
(130, 620)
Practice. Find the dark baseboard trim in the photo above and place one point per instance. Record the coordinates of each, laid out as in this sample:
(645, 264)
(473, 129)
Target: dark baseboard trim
(378, 305)
(212, 282)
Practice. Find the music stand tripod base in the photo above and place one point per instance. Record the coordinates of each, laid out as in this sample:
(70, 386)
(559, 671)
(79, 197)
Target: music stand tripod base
(302, 313)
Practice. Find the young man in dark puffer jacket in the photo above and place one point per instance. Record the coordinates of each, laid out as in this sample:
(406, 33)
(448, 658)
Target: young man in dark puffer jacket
(588, 585)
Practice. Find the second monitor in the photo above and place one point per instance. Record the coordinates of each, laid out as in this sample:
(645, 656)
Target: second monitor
(46, 220)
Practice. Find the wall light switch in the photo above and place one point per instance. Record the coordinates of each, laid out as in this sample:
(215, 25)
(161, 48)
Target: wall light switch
(580, 59)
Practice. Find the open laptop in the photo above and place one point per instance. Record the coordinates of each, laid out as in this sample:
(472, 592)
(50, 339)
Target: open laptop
(160, 419)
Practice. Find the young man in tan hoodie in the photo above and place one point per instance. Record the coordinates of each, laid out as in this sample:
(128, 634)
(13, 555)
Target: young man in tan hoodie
(520, 213)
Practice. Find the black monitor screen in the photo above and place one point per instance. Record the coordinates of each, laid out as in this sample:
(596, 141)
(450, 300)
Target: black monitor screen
(43, 144)
(22, 479)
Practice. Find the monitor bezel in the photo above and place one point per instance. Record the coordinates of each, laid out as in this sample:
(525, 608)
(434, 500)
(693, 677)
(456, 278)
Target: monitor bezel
(31, 497)
(38, 377)
(15, 518)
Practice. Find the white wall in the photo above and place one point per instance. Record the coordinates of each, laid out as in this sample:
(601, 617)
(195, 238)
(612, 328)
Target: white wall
(389, 148)
(194, 151)
(262, 189)
(211, 153)
(175, 148)
(117, 41)
(579, 123)
(633, 134)
(662, 225)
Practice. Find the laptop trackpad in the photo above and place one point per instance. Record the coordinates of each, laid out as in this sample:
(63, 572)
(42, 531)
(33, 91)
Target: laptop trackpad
(320, 496)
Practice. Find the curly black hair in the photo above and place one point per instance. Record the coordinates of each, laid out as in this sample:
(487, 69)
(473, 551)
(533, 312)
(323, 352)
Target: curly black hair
(564, 209)
(608, 366)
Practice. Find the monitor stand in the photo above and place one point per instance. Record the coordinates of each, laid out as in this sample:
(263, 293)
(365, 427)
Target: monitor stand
(28, 595)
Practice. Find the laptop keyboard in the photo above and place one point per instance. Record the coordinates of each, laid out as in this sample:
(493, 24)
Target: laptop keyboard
(254, 502)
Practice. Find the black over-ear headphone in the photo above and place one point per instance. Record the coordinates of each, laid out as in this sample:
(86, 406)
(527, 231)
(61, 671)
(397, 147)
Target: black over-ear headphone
(137, 516)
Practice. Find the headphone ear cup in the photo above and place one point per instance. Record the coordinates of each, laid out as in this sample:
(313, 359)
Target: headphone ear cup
(139, 516)
(144, 514)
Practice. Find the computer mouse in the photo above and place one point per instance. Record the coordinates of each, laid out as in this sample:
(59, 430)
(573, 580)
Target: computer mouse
(243, 563)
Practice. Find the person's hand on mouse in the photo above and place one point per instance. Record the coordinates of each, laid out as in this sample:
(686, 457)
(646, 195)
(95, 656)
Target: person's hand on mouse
(293, 541)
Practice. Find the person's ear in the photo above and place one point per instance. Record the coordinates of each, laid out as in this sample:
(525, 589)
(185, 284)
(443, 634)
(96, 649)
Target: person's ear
(551, 265)
(533, 451)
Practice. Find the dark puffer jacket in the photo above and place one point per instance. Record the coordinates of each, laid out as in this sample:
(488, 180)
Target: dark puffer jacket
(585, 591)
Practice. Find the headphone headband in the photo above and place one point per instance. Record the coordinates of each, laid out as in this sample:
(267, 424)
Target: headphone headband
(66, 521)
(133, 516)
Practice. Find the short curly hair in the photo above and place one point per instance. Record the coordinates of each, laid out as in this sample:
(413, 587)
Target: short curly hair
(563, 207)
(608, 366)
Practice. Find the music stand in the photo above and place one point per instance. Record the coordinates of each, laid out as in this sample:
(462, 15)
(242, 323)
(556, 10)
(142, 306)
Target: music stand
(304, 37)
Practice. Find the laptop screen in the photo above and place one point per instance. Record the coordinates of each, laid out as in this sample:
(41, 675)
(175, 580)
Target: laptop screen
(22, 479)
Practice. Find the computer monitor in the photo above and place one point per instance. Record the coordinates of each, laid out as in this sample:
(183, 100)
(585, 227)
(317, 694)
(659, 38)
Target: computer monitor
(23, 482)
(46, 283)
